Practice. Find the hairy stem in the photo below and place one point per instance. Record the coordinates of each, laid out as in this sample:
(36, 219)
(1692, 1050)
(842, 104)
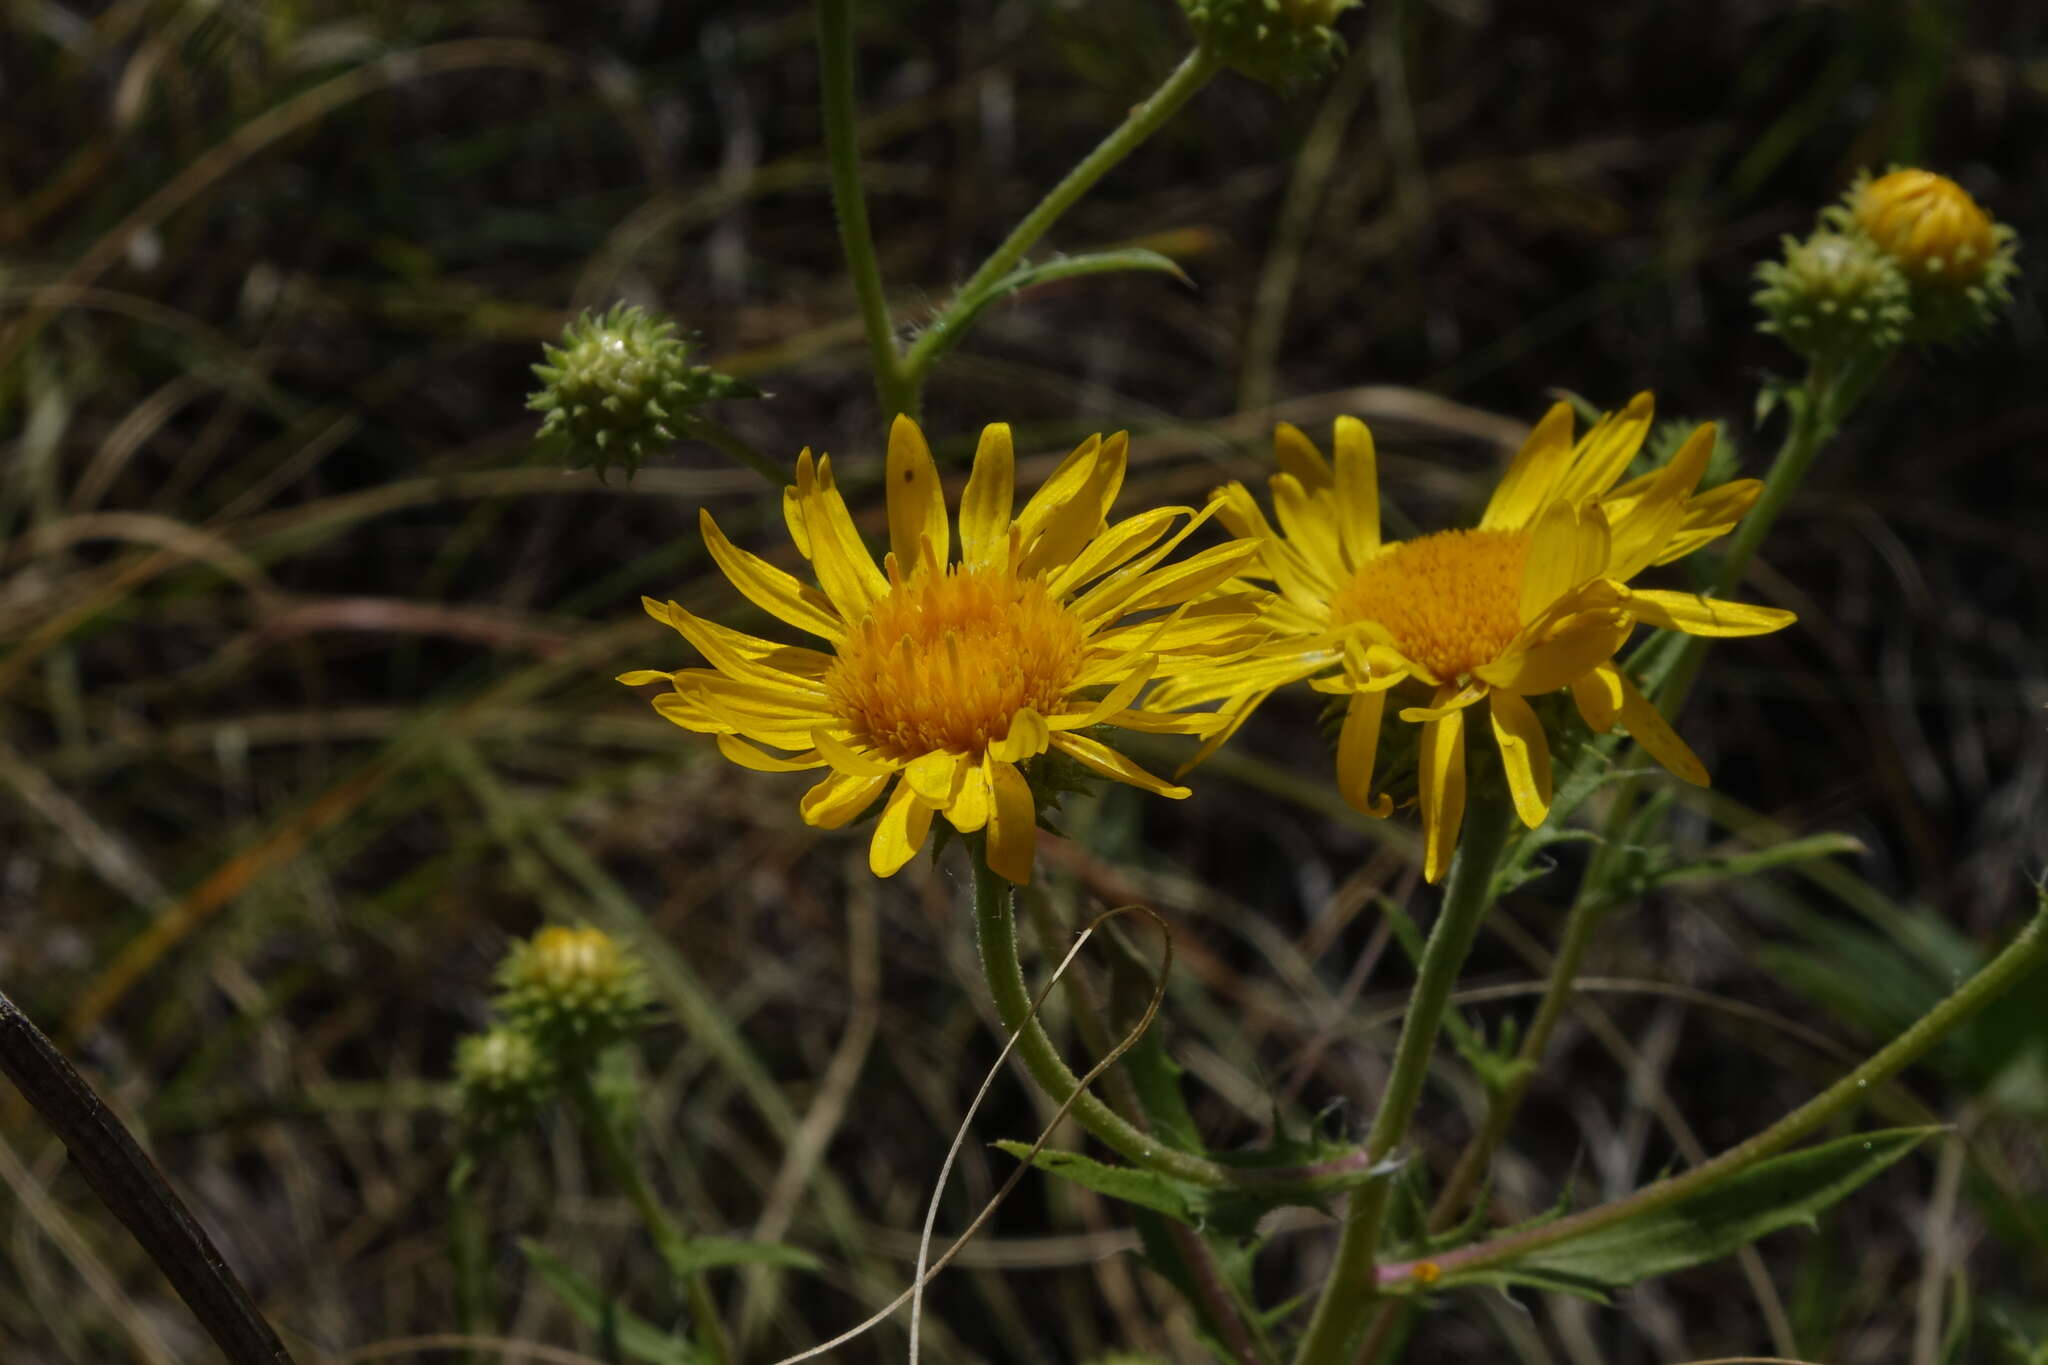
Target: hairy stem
(1351, 1291)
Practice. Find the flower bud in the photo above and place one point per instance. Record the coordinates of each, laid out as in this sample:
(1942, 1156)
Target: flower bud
(502, 1078)
(574, 990)
(620, 388)
(1276, 41)
(1835, 294)
(1957, 262)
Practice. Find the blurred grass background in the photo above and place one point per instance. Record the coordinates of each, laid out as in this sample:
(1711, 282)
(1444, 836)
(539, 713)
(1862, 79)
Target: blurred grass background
(305, 660)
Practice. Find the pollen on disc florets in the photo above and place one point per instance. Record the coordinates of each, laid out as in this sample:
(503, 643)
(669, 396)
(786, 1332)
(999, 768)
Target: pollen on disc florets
(946, 661)
(1451, 601)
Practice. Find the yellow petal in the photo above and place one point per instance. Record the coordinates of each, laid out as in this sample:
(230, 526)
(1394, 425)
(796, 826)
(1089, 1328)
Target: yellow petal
(838, 798)
(745, 657)
(640, 677)
(846, 759)
(769, 588)
(1061, 487)
(1568, 547)
(1447, 703)
(1696, 615)
(1357, 745)
(1523, 489)
(1309, 523)
(1640, 532)
(1357, 491)
(1606, 450)
(1202, 723)
(747, 756)
(917, 505)
(1100, 758)
(1139, 672)
(1069, 527)
(1598, 695)
(970, 808)
(1012, 823)
(1191, 577)
(846, 571)
(1108, 597)
(936, 776)
(1442, 761)
(900, 832)
(1028, 736)
(1115, 547)
(1524, 756)
(991, 492)
(1297, 456)
(1581, 644)
(1647, 726)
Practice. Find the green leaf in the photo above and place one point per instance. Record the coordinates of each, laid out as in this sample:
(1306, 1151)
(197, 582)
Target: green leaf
(710, 1253)
(1065, 268)
(634, 1335)
(1779, 1193)
(1147, 1189)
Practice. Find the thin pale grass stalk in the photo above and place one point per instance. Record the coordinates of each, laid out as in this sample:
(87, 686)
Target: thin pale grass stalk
(1351, 1290)
(134, 1191)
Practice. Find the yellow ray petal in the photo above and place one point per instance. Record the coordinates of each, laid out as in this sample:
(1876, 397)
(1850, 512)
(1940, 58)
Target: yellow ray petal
(900, 832)
(935, 776)
(1309, 523)
(1696, 615)
(917, 505)
(1647, 522)
(1115, 547)
(1647, 726)
(1581, 644)
(1235, 713)
(1447, 703)
(970, 808)
(837, 799)
(793, 660)
(747, 756)
(769, 588)
(1598, 695)
(1100, 758)
(1524, 756)
(990, 494)
(1191, 577)
(1012, 822)
(1606, 450)
(793, 509)
(640, 677)
(1061, 487)
(688, 711)
(1442, 762)
(1028, 736)
(1357, 745)
(1065, 530)
(846, 759)
(845, 569)
(1357, 491)
(1200, 723)
(1138, 672)
(747, 658)
(1567, 548)
(1297, 455)
(1523, 489)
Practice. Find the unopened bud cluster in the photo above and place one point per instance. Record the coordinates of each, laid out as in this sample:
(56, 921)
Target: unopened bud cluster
(1276, 41)
(564, 996)
(1907, 256)
(620, 388)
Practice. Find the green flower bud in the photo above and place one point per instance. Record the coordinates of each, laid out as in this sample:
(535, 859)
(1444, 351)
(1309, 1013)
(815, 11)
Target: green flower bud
(620, 388)
(574, 990)
(1958, 262)
(1834, 294)
(1276, 41)
(502, 1078)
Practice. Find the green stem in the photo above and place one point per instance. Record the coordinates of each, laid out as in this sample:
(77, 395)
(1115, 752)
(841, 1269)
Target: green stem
(996, 931)
(668, 1237)
(1191, 75)
(467, 1239)
(849, 200)
(1352, 1289)
(737, 446)
(2021, 956)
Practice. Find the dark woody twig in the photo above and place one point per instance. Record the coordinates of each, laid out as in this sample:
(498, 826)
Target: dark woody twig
(129, 1183)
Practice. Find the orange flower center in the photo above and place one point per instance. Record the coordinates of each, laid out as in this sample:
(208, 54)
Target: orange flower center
(1450, 600)
(947, 662)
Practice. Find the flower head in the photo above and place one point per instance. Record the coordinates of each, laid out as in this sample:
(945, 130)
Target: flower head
(1276, 41)
(1533, 600)
(502, 1078)
(1835, 294)
(950, 669)
(1958, 262)
(573, 989)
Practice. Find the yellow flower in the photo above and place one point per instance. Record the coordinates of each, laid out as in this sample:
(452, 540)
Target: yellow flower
(946, 673)
(1928, 224)
(1532, 600)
